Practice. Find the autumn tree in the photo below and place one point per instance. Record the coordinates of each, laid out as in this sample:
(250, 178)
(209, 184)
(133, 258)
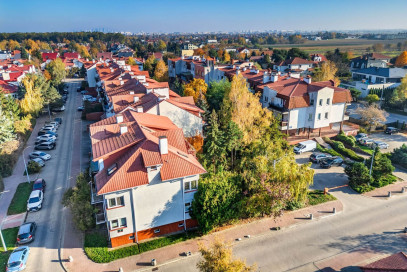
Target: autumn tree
(372, 98)
(372, 116)
(199, 52)
(149, 65)
(12, 45)
(196, 87)
(32, 102)
(327, 72)
(401, 60)
(161, 72)
(161, 45)
(218, 258)
(131, 61)
(226, 57)
(6, 128)
(56, 69)
(378, 47)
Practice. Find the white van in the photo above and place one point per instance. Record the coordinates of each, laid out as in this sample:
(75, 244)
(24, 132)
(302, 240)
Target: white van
(305, 146)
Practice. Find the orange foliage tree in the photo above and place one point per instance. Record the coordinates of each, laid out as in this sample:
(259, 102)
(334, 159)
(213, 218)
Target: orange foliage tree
(402, 59)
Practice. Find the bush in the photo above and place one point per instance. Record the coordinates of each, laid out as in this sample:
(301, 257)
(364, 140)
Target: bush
(349, 140)
(329, 151)
(340, 148)
(384, 181)
(399, 156)
(96, 246)
(32, 167)
(358, 175)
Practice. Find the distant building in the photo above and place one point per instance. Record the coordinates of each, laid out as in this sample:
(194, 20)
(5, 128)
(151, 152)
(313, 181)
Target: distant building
(190, 46)
(369, 60)
(212, 41)
(4, 54)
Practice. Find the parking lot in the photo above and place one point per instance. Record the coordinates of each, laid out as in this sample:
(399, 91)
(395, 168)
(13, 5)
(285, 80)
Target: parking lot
(394, 141)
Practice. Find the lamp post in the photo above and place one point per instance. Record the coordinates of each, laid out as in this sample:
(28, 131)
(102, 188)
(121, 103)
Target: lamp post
(25, 165)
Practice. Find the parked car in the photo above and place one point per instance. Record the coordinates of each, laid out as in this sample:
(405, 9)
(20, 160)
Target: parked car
(37, 142)
(35, 200)
(334, 161)
(78, 89)
(84, 92)
(360, 136)
(39, 161)
(49, 125)
(380, 144)
(39, 184)
(366, 142)
(47, 132)
(38, 154)
(317, 157)
(305, 146)
(47, 137)
(26, 233)
(66, 91)
(59, 120)
(59, 109)
(52, 129)
(45, 146)
(81, 108)
(391, 130)
(18, 259)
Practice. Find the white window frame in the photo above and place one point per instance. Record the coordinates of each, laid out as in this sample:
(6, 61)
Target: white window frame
(115, 200)
(119, 222)
(189, 184)
(189, 205)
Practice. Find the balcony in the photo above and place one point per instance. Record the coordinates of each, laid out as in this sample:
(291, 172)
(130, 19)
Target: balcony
(100, 214)
(278, 109)
(95, 199)
(283, 125)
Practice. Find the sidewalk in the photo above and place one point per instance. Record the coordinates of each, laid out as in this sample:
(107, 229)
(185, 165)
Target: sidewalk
(74, 240)
(11, 182)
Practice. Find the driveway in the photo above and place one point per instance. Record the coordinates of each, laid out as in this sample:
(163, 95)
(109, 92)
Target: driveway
(44, 255)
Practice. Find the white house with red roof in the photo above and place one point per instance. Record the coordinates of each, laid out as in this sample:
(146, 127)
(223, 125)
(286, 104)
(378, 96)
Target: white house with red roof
(293, 65)
(304, 105)
(148, 175)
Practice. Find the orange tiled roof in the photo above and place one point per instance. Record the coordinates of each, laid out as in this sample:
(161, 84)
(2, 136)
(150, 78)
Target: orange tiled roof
(395, 263)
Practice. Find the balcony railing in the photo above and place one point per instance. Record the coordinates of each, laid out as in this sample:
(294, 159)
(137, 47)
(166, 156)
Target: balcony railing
(100, 218)
(95, 198)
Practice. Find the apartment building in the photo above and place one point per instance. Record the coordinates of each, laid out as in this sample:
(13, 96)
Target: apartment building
(148, 175)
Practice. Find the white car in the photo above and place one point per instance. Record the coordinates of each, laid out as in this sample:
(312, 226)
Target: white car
(38, 154)
(380, 144)
(53, 123)
(48, 129)
(35, 200)
(39, 161)
(47, 137)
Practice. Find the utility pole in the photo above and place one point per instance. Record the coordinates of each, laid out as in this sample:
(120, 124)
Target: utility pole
(2, 239)
(381, 97)
(25, 165)
(371, 165)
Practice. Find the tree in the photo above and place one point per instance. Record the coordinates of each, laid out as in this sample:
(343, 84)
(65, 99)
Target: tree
(378, 47)
(327, 72)
(382, 166)
(358, 174)
(196, 87)
(161, 45)
(56, 69)
(214, 143)
(372, 116)
(226, 57)
(218, 258)
(78, 200)
(149, 65)
(32, 102)
(217, 200)
(6, 128)
(216, 93)
(50, 95)
(355, 93)
(24, 53)
(131, 61)
(12, 45)
(372, 98)
(32, 168)
(401, 60)
(233, 140)
(161, 72)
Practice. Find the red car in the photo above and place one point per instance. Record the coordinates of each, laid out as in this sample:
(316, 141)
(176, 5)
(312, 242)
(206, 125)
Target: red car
(39, 184)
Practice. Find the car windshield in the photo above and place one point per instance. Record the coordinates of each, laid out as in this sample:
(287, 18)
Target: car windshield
(34, 200)
(13, 264)
(37, 186)
(299, 146)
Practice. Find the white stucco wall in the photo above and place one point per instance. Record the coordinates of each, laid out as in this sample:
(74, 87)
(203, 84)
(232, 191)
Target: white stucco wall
(90, 74)
(120, 212)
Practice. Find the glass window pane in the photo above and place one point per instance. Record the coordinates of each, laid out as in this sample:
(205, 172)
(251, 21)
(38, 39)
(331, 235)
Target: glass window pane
(123, 222)
(120, 201)
(194, 184)
(112, 202)
(115, 223)
(187, 186)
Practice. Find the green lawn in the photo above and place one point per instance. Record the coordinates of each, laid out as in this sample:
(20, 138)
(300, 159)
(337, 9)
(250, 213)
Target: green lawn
(365, 148)
(19, 201)
(10, 236)
(96, 246)
(316, 197)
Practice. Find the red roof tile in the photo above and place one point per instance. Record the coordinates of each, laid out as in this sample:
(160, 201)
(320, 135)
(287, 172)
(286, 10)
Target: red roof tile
(395, 263)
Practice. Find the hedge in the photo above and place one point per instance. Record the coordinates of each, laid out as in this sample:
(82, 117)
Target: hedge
(329, 151)
(340, 148)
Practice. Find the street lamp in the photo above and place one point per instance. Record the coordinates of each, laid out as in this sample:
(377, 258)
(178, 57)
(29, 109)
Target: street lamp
(25, 165)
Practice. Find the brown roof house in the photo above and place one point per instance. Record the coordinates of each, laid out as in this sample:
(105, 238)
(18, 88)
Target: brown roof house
(394, 263)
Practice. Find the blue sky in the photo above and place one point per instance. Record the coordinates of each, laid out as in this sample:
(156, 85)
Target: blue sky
(192, 16)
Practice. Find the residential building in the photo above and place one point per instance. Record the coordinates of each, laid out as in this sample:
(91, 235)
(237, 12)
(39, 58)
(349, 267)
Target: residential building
(148, 175)
(5, 54)
(296, 66)
(104, 55)
(190, 46)
(369, 60)
(304, 106)
(49, 56)
(9, 89)
(317, 58)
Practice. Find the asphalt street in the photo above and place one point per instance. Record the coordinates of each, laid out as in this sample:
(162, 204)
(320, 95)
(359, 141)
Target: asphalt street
(44, 255)
(392, 117)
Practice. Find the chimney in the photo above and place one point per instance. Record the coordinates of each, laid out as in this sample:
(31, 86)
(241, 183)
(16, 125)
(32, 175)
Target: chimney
(163, 145)
(307, 79)
(265, 77)
(244, 69)
(131, 92)
(119, 118)
(136, 99)
(123, 128)
(121, 82)
(139, 109)
(273, 77)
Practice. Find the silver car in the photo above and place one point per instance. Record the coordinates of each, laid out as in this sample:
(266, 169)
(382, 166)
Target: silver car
(380, 145)
(38, 154)
(39, 161)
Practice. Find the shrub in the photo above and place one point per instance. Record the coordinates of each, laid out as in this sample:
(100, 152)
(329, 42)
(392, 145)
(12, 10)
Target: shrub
(316, 197)
(329, 151)
(349, 140)
(32, 168)
(340, 148)
(384, 181)
(399, 156)
(362, 130)
(358, 174)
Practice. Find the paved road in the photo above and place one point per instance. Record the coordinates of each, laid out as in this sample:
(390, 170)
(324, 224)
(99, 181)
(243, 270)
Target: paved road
(366, 222)
(50, 219)
(393, 117)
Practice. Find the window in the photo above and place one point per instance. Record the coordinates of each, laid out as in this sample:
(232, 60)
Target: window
(116, 202)
(187, 185)
(311, 102)
(266, 98)
(187, 207)
(319, 116)
(181, 225)
(194, 184)
(157, 231)
(131, 237)
(310, 117)
(153, 168)
(326, 115)
(328, 101)
(320, 102)
(118, 223)
(111, 169)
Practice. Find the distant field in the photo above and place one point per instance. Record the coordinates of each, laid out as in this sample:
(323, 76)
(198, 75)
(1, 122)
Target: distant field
(357, 46)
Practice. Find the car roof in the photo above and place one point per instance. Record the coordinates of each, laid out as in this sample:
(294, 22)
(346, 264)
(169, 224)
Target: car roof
(35, 193)
(39, 180)
(25, 228)
(16, 254)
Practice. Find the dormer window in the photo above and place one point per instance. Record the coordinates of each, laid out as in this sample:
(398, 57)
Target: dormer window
(153, 168)
(111, 169)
